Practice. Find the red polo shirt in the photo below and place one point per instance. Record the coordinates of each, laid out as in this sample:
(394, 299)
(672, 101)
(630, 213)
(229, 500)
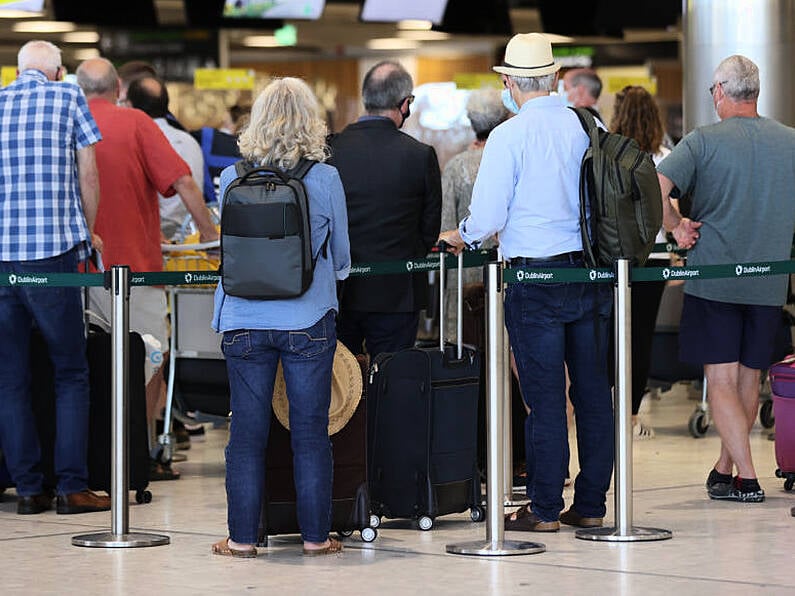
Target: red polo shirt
(135, 162)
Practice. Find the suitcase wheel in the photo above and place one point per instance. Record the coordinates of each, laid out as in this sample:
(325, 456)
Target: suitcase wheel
(766, 417)
(369, 534)
(425, 523)
(698, 424)
(345, 533)
(143, 496)
(477, 514)
(789, 482)
(375, 520)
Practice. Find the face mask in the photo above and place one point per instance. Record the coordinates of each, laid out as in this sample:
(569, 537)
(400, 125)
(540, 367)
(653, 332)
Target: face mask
(404, 116)
(564, 94)
(509, 102)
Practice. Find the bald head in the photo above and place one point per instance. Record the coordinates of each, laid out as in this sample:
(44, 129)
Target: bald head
(40, 55)
(149, 95)
(385, 85)
(98, 77)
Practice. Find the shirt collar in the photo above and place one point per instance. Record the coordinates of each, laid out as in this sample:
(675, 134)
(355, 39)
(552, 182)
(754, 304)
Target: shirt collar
(369, 117)
(544, 101)
(32, 73)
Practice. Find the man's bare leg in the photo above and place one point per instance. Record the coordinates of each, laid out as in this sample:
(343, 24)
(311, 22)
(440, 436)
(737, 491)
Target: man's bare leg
(728, 391)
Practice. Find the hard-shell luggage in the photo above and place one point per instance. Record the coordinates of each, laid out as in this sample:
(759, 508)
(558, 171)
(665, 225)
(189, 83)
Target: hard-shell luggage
(100, 356)
(782, 386)
(422, 431)
(350, 503)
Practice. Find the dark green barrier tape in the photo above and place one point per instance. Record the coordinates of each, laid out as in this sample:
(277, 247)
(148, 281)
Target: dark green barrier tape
(472, 258)
(174, 278)
(53, 280)
(534, 275)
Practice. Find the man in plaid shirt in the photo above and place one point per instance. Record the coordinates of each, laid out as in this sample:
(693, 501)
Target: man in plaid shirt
(48, 201)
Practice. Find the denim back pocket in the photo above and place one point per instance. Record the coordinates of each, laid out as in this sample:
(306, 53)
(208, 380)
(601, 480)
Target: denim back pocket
(236, 344)
(311, 341)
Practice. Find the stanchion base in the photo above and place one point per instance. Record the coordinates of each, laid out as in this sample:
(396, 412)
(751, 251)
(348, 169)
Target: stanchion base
(635, 534)
(515, 500)
(110, 540)
(486, 548)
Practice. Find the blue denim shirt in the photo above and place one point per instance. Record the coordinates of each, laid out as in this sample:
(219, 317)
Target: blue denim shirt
(327, 212)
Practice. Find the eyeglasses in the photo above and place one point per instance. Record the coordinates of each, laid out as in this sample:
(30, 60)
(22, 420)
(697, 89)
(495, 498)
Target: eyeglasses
(714, 86)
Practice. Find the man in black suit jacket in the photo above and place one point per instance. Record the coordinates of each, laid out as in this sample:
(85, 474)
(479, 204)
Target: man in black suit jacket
(393, 190)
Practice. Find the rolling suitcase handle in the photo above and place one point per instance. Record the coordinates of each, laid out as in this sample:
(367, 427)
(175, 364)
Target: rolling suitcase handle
(441, 248)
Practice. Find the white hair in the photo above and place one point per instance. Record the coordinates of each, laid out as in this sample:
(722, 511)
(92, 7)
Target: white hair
(39, 54)
(485, 110)
(532, 84)
(738, 77)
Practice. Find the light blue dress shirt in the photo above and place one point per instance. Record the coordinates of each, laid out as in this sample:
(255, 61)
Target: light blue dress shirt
(527, 188)
(328, 212)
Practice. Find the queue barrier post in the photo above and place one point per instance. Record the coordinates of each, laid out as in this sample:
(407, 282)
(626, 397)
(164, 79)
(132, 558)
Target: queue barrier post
(624, 530)
(495, 544)
(119, 535)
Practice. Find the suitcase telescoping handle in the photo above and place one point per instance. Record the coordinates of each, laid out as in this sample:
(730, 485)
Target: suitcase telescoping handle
(441, 248)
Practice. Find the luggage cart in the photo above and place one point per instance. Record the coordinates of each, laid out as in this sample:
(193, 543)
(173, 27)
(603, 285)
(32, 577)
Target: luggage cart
(195, 357)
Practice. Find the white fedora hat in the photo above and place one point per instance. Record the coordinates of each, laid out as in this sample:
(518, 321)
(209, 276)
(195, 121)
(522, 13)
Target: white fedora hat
(528, 55)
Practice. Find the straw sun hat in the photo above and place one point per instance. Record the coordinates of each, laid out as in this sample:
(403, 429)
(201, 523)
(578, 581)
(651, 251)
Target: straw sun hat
(528, 55)
(346, 391)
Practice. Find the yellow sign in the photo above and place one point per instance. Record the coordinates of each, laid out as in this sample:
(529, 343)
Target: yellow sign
(476, 80)
(616, 84)
(8, 74)
(223, 78)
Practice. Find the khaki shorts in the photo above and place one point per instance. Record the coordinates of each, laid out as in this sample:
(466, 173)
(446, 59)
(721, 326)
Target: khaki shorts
(148, 311)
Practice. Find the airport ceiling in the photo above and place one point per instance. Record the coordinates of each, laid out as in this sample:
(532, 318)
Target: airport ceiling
(338, 33)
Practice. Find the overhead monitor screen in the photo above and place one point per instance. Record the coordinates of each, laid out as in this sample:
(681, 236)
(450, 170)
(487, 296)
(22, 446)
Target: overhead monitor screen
(273, 9)
(392, 11)
(27, 5)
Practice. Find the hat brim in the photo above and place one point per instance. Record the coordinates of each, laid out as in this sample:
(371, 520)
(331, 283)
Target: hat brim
(527, 72)
(346, 391)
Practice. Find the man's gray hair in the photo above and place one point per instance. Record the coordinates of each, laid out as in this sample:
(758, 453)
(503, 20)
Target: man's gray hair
(385, 85)
(485, 111)
(588, 79)
(739, 78)
(39, 54)
(94, 81)
(532, 84)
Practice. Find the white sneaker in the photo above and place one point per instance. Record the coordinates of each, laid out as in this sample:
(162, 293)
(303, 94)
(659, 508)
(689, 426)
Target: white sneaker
(642, 432)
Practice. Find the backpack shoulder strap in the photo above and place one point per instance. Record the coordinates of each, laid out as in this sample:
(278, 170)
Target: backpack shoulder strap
(302, 168)
(586, 119)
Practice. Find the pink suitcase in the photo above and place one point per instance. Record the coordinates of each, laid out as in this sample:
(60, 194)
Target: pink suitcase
(782, 385)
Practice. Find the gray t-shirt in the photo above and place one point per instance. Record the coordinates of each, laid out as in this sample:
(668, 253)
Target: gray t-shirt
(740, 174)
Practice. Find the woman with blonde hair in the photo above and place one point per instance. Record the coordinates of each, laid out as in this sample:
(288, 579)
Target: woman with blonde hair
(636, 115)
(286, 127)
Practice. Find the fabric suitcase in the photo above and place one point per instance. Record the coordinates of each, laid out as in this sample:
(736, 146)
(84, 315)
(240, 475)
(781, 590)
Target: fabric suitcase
(100, 356)
(350, 503)
(423, 432)
(782, 386)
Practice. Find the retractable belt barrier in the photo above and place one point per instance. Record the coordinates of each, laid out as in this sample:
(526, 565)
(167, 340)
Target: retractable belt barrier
(119, 279)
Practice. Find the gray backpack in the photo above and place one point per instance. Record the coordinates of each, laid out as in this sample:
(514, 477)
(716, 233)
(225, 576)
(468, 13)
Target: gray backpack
(619, 183)
(266, 242)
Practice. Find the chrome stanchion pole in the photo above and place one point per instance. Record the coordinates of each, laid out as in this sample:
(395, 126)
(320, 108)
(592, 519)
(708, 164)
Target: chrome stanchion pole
(623, 531)
(119, 535)
(495, 544)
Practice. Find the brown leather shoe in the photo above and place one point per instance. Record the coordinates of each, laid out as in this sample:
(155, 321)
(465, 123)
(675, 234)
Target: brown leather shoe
(83, 502)
(523, 520)
(572, 518)
(34, 504)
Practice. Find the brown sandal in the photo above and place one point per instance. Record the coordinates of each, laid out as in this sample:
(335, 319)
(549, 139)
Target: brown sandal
(334, 547)
(222, 548)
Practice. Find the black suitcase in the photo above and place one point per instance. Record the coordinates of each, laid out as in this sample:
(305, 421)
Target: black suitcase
(423, 432)
(350, 504)
(99, 355)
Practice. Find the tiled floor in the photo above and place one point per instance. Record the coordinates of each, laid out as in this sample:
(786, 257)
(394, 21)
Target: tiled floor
(717, 548)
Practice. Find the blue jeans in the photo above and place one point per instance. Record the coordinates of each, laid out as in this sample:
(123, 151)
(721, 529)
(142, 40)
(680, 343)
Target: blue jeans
(58, 314)
(549, 325)
(251, 359)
